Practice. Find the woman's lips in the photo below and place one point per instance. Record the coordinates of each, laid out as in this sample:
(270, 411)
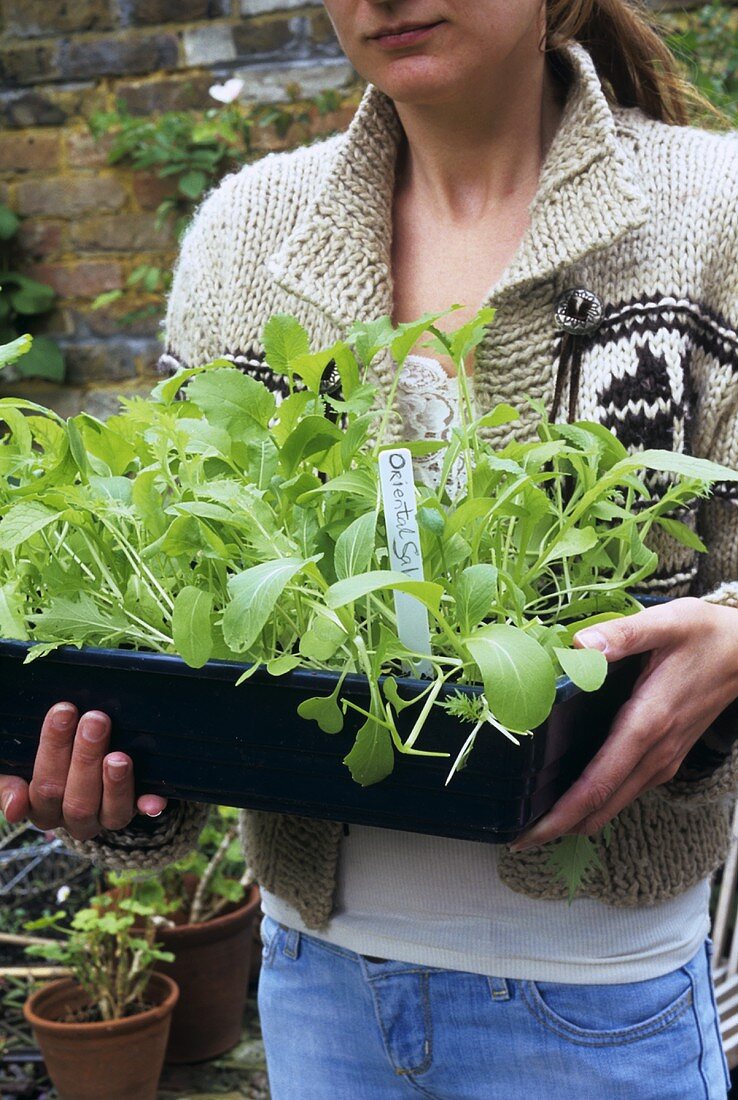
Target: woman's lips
(407, 38)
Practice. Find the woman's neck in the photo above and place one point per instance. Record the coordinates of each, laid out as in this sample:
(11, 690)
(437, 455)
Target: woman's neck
(467, 159)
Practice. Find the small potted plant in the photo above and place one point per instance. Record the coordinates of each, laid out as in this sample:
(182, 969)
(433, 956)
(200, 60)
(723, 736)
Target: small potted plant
(103, 1030)
(209, 933)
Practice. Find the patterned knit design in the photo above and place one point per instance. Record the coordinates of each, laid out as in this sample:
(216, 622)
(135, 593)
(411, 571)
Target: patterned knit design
(640, 214)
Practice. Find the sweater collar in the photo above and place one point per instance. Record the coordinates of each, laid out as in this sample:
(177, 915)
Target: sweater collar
(338, 255)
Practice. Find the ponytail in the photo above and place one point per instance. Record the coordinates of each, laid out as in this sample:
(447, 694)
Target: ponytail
(635, 65)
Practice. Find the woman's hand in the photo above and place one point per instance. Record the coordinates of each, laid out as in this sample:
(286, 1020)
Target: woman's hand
(690, 677)
(76, 783)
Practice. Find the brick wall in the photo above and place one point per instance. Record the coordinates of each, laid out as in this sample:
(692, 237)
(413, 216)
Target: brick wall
(86, 224)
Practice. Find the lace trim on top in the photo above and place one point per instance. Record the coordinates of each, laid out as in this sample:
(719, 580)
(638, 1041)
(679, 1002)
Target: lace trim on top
(428, 401)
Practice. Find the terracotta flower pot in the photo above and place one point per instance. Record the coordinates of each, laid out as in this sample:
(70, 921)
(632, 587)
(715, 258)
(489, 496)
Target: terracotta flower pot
(212, 965)
(119, 1060)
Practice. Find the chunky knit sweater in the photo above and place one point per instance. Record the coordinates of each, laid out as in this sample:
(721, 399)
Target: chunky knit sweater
(640, 214)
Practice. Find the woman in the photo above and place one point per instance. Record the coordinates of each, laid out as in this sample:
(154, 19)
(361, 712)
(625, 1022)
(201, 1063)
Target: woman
(486, 164)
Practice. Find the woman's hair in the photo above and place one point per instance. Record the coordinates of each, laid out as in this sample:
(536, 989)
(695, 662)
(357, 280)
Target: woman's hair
(636, 66)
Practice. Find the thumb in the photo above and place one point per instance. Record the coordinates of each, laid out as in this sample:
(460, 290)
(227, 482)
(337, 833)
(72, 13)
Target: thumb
(649, 629)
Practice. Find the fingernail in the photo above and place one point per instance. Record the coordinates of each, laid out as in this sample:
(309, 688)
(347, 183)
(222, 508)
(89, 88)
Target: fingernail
(592, 639)
(117, 766)
(63, 718)
(157, 814)
(93, 727)
(7, 801)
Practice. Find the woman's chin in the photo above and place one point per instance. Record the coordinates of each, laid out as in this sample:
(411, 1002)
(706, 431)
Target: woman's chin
(413, 80)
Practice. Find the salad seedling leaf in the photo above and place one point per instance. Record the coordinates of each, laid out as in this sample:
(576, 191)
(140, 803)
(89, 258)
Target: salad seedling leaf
(587, 668)
(323, 710)
(518, 677)
(355, 547)
(22, 521)
(372, 758)
(475, 593)
(354, 588)
(191, 625)
(253, 595)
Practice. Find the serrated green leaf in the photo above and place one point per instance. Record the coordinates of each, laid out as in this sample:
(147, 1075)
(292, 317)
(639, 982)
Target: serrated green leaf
(284, 340)
(571, 858)
(233, 401)
(24, 520)
(12, 620)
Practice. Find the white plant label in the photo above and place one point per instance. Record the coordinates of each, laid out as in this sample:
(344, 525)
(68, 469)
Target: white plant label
(403, 537)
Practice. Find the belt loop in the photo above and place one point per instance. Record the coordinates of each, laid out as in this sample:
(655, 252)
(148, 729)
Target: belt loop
(292, 943)
(499, 989)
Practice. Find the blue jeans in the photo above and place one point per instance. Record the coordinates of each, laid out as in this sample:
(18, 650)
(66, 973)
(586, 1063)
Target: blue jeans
(339, 1026)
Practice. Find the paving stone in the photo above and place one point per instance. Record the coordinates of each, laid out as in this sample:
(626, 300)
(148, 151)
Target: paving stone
(249, 1054)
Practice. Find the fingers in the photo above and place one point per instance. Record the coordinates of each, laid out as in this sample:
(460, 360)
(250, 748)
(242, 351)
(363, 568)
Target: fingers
(653, 628)
(118, 798)
(52, 765)
(83, 794)
(151, 805)
(13, 798)
(636, 748)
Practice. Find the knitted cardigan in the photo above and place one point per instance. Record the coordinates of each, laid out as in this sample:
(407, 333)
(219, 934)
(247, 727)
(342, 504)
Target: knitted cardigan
(640, 213)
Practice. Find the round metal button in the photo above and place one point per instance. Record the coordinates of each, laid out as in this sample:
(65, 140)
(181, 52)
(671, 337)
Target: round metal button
(579, 311)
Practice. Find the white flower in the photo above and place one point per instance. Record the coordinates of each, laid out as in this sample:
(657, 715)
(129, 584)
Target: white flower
(226, 93)
(62, 894)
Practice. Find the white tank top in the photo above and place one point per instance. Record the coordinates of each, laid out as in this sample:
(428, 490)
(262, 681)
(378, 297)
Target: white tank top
(436, 901)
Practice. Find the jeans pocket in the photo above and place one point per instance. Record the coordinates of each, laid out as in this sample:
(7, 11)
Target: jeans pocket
(601, 1015)
(269, 932)
(709, 952)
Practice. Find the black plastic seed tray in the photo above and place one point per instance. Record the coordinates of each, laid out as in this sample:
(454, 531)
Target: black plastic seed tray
(193, 734)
